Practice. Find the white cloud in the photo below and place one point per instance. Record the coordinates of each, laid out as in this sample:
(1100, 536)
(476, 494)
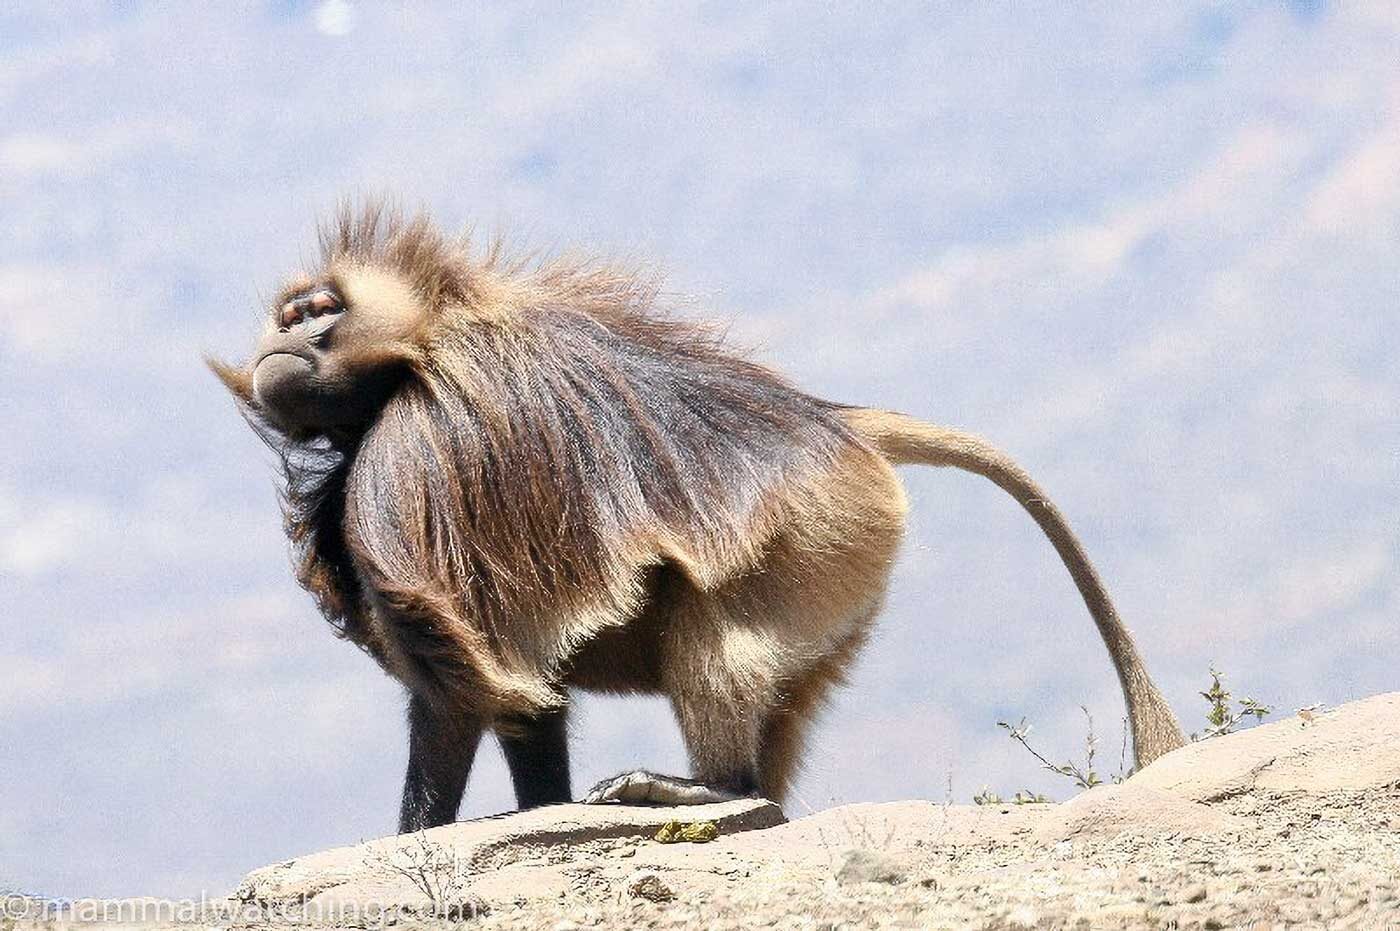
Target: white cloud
(27, 154)
(102, 315)
(57, 535)
(28, 678)
(30, 64)
(616, 51)
(31, 153)
(45, 308)
(129, 654)
(335, 17)
(1361, 195)
(1157, 265)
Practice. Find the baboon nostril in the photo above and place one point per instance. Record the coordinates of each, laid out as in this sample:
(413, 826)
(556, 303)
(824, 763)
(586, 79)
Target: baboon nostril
(290, 314)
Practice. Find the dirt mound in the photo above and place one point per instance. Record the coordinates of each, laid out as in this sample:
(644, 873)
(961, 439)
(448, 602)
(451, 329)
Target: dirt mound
(1356, 746)
(1293, 822)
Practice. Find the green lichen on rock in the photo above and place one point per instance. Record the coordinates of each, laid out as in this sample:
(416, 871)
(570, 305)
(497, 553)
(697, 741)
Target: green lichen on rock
(687, 832)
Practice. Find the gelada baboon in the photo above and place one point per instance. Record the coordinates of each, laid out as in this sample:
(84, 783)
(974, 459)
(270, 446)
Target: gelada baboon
(506, 479)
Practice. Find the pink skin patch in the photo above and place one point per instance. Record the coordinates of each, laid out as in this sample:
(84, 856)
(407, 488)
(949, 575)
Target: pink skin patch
(313, 305)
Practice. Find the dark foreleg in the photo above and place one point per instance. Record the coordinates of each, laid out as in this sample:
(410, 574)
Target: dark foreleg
(441, 747)
(537, 751)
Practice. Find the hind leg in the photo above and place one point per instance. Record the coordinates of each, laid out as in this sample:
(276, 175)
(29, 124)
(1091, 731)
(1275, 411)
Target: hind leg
(745, 740)
(720, 692)
(722, 727)
(801, 698)
(746, 663)
(745, 704)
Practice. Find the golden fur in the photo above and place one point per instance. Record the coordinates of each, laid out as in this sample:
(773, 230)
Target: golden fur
(566, 488)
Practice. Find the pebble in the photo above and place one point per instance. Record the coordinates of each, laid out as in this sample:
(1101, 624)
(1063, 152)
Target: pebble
(869, 866)
(646, 884)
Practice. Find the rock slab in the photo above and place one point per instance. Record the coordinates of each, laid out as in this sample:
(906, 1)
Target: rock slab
(1293, 823)
(376, 871)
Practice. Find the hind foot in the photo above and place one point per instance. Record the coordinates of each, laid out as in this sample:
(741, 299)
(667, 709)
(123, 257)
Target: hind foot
(640, 787)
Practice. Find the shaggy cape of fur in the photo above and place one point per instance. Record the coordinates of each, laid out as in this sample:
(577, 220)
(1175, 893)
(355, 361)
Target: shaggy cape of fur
(554, 461)
(552, 438)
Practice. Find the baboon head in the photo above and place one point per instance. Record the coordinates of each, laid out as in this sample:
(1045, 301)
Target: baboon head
(338, 341)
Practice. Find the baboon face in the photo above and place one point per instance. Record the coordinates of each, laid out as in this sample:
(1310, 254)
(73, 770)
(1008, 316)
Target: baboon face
(334, 349)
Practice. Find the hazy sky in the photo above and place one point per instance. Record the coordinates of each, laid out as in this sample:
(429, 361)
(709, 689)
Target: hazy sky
(1152, 253)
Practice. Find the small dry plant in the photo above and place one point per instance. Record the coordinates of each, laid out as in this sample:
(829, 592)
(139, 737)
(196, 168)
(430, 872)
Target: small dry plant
(1085, 776)
(437, 872)
(1022, 797)
(859, 833)
(1222, 718)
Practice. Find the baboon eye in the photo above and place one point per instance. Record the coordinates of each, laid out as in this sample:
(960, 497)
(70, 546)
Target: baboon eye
(316, 303)
(324, 302)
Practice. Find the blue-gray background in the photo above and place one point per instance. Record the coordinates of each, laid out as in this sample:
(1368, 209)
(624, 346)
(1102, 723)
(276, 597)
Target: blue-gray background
(1151, 253)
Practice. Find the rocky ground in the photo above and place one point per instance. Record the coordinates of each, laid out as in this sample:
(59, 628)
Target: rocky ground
(1291, 824)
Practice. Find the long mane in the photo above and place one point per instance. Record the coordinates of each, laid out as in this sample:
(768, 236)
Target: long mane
(558, 436)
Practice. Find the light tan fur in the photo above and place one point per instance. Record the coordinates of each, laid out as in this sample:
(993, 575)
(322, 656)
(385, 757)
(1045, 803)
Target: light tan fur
(508, 479)
(905, 440)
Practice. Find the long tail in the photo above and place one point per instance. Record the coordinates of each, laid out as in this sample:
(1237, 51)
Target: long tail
(904, 440)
